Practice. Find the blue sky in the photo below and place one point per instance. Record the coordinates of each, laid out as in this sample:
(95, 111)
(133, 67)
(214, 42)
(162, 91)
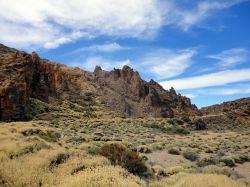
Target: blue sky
(201, 48)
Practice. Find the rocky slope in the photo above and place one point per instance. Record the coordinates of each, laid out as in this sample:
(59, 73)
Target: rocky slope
(24, 76)
(238, 110)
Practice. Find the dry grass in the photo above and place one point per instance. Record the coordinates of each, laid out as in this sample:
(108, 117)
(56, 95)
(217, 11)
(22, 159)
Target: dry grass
(197, 180)
(25, 160)
(32, 168)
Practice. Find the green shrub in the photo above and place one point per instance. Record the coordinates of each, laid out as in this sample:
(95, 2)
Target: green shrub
(213, 169)
(120, 155)
(155, 126)
(174, 151)
(54, 121)
(89, 148)
(60, 159)
(190, 155)
(228, 161)
(207, 161)
(144, 149)
(181, 130)
(28, 117)
(50, 136)
(159, 170)
(242, 158)
(178, 121)
(31, 132)
(186, 119)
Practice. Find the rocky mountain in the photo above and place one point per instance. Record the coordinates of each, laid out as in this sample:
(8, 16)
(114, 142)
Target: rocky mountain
(24, 76)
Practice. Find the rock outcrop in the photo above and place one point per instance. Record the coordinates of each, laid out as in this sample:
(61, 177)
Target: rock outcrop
(124, 90)
(24, 76)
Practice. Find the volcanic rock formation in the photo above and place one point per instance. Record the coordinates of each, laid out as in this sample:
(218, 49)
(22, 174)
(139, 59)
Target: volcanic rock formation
(24, 76)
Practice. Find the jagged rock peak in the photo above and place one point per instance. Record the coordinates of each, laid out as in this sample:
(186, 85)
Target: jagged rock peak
(172, 91)
(127, 68)
(97, 68)
(35, 57)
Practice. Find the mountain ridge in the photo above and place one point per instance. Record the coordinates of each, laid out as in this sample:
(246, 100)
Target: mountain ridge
(122, 91)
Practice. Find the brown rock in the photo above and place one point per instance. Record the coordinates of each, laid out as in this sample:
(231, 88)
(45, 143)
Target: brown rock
(24, 76)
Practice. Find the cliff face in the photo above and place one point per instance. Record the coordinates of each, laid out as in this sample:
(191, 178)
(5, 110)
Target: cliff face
(124, 90)
(24, 76)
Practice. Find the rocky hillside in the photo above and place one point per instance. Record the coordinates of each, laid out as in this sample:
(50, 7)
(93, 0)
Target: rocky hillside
(238, 110)
(26, 76)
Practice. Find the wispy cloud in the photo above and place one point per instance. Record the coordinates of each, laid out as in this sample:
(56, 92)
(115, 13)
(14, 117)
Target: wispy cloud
(166, 63)
(230, 91)
(65, 39)
(50, 24)
(230, 58)
(191, 96)
(106, 48)
(187, 18)
(209, 80)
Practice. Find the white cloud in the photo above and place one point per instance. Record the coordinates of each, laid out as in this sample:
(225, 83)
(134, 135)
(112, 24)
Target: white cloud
(108, 47)
(65, 39)
(166, 63)
(231, 57)
(90, 63)
(51, 23)
(230, 91)
(188, 18)
(48, 24)
(191, 96)
(209, 80)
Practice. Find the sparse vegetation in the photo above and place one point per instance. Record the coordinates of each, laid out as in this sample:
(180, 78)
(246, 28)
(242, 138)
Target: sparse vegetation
(74, 151)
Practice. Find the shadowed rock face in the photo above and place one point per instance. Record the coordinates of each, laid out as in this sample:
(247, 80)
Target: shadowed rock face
(122, 90)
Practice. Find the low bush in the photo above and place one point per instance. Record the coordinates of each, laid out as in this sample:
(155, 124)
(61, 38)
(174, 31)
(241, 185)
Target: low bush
(186, 119)
(241, 158)
(174, 170)
(124, 157)
(228, 161)
(207, 161)
(181, 130)
(213, 169)
(158, 170)
(174, 151)
(190, 155)
(60, 159)
(144, 149)
(50, 136)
